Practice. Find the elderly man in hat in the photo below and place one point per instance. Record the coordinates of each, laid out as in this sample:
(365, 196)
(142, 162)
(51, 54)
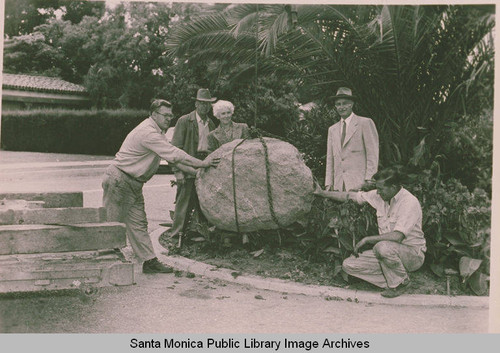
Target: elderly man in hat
(135, 163)
(352, 148)
(191, 135)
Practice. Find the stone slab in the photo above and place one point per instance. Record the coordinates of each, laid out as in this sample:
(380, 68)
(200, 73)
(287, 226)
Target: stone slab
(51, 199)
(73, 215)
(30, 239)
(70, 270)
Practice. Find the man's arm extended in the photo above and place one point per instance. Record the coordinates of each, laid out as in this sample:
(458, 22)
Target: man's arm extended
(391, 236)
(185, 168)
(339, 196)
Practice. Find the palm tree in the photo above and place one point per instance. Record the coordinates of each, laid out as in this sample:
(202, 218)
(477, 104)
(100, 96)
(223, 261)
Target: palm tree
(414, 68)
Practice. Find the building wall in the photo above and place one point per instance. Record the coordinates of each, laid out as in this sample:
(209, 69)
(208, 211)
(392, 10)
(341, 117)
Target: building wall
(28, 100)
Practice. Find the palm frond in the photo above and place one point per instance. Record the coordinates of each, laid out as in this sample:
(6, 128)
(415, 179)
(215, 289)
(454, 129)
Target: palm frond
(186, 36)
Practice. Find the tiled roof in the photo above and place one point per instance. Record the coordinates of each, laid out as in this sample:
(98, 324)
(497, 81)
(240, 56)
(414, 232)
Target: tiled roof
(39, 84)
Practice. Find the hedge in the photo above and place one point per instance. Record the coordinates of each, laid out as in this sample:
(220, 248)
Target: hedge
(68, 131)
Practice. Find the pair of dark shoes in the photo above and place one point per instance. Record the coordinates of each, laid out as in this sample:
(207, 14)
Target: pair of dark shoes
(155, 266)
(396, 292)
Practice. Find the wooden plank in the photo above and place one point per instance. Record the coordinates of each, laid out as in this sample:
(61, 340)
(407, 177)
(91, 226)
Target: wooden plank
(21, 273)
(72, 215)
(19, 204)
(29, 239)
(51, 199)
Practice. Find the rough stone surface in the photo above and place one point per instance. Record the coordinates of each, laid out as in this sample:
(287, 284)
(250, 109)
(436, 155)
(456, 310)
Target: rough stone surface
(290, 179)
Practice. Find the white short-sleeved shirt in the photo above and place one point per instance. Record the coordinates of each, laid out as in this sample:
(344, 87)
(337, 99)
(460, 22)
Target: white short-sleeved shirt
(403, 214)
(140, 154)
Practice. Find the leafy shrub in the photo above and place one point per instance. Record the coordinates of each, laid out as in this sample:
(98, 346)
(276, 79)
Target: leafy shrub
(456, 224)
(189, 77)
(68, 131)
(276, 101)
(310, 135)
(467, 151)
(334, 228)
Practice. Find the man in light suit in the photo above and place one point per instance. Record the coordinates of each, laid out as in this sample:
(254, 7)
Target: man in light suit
(352, 148)
(191, 135)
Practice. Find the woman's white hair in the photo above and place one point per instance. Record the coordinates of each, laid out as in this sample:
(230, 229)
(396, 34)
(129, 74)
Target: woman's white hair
(222, 105)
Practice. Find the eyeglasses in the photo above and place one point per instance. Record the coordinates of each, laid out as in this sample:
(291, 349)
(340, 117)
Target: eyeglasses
(169, 114)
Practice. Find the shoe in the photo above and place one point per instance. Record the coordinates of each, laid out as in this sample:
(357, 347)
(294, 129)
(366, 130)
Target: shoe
(396, 292)
(155, 266)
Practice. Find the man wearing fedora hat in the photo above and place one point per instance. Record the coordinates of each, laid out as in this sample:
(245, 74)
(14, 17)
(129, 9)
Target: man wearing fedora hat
(352, 147)
(191, 135)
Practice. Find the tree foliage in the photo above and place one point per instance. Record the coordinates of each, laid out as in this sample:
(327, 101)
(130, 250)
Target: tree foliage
(22, 16)
(414, 68)
(119, 57)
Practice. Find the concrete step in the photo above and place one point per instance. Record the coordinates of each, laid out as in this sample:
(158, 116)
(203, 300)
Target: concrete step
(70, 215)
(52, 271)
(50, 199)
(31, 239)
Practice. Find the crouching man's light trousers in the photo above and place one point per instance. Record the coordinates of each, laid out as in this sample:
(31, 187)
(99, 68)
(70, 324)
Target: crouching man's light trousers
(386, 265)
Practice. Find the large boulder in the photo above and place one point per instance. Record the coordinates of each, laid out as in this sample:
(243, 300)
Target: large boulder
(290, 179)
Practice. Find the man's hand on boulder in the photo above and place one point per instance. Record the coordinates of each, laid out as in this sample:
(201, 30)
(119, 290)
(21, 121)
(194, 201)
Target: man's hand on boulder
(318, 191)
(211, 162)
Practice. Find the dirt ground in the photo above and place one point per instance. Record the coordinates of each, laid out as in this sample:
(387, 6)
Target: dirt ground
(285, 264)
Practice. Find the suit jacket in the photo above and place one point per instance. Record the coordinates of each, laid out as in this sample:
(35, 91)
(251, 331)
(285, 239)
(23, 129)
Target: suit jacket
(186, 134)
(355, 161)
(217, 138)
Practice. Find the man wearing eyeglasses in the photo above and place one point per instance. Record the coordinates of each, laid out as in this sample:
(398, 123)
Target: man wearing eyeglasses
(352, 148)
(135, 163)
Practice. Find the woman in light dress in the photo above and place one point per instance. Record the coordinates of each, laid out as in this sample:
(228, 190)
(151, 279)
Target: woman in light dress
(227, 130)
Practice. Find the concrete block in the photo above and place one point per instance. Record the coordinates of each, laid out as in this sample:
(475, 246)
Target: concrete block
(71, 215)
(30, 239)
(51, 199)
(121, 274)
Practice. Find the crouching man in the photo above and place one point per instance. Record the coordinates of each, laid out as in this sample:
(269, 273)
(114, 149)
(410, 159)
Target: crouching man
(400, 246)
(135, 163)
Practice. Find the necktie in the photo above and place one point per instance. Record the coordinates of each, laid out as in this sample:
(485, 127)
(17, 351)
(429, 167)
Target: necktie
(342, 138)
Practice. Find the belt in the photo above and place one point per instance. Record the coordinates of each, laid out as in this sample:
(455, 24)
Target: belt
(128, 175)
